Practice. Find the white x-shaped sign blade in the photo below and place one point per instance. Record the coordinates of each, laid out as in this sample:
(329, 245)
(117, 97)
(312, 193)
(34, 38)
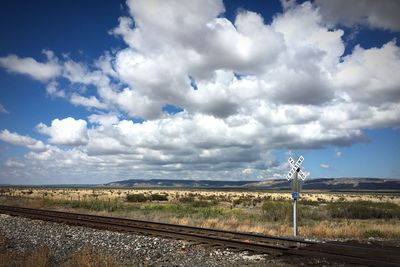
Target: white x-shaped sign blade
(290, 174)
(302, 175)
(299, 161)
(291, 161)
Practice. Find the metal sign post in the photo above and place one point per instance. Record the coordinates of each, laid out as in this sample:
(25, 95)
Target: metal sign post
(295, 195)
(295, 173)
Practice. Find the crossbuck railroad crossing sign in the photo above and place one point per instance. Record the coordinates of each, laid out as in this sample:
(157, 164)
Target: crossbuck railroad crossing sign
(294, 174)
(296, 167)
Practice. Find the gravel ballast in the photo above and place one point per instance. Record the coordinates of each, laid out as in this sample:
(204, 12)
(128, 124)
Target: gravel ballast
(24, 235)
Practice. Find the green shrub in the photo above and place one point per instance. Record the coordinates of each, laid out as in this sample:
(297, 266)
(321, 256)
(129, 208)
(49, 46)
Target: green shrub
(201, 204)
(136, 198)
(309, 202)
(364, 210)
(174, 208)
(90, 204)
(311, 212)
(187, 199)
(374, 233)
(158, 197)
(277, 210)
(188, 210)
(211, 212)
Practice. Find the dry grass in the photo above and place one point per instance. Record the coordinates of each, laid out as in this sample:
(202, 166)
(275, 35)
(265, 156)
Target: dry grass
(238, 225)
(173, 194)
(240, 211)
(358, 229)
(353, 229)
(41, 257)
(90, 257)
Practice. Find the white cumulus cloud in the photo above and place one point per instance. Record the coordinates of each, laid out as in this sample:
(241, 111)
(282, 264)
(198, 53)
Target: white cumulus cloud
(21, 140)
(66, 131)
(374, 14)
(29, 66)
(371, 75)
(90, 102)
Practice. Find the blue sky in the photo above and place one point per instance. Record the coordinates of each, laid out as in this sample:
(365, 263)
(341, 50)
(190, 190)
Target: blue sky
(110, 90)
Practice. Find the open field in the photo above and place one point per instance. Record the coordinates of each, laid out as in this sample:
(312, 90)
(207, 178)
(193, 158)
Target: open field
(321, 214)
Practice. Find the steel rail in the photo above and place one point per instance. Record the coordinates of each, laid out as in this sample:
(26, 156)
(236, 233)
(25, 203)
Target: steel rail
(357, 254)
(243, 241)
(290, 242)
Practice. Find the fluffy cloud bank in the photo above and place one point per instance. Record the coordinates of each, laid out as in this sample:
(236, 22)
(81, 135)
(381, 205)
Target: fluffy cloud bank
(243, 89)
(375, 14)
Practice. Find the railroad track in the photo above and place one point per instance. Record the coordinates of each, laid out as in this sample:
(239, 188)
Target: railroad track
(356, 254)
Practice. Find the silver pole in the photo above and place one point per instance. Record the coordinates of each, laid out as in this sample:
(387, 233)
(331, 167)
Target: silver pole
(295, 181)
(295, 232)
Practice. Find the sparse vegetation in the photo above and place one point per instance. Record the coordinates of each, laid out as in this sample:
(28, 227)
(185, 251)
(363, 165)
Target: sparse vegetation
(364, 210)
(143, 198)
(88, 256)
(41, 257)
(136, 198)
(158, 197)
(326, 215)
(374, 233)
(277, 211)
(89, 204)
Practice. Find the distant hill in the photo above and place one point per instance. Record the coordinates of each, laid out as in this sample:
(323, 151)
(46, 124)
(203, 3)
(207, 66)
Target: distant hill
(180, 183)
(334, 184)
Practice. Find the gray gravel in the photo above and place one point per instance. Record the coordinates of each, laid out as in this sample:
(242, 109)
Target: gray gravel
(24, 235)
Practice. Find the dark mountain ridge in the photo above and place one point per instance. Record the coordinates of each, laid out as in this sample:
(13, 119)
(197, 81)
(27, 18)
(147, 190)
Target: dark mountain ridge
(335, 184)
